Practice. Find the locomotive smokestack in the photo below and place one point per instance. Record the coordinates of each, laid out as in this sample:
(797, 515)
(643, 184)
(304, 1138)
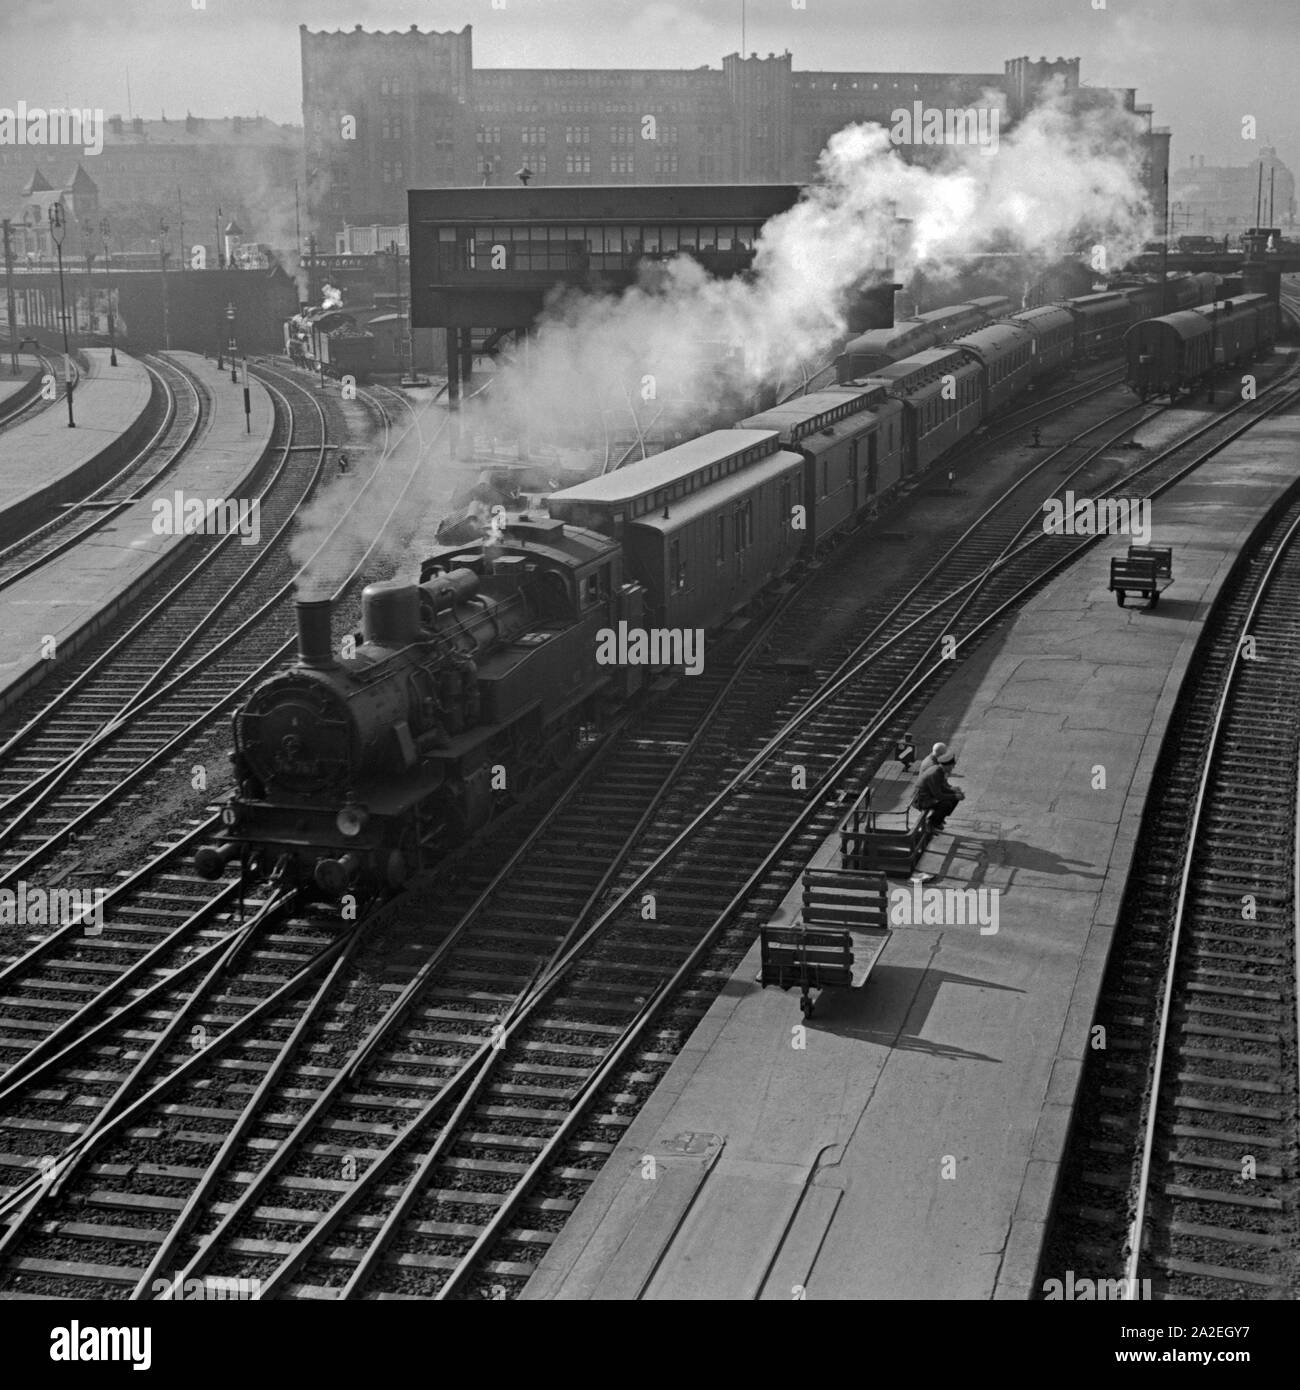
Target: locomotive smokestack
(314, 633)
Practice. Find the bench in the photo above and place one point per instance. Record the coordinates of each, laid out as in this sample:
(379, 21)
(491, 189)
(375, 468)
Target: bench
(1145, 570)
(882, 833)
(841, 930)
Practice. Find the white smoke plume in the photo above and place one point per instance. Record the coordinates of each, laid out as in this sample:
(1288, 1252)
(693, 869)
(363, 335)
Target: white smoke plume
(1064, 177)
(331, 297)
(679, 338)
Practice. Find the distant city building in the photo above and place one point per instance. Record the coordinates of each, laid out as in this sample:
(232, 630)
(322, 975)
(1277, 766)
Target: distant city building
(181, 171)
(1218, 201)
(365, 241)
(384, 112)
(29, 215)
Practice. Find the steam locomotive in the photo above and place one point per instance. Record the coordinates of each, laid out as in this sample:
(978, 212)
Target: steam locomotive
(328, 339)
(356, 768)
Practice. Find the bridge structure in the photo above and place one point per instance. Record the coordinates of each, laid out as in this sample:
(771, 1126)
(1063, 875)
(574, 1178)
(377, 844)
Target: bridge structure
(484, 261)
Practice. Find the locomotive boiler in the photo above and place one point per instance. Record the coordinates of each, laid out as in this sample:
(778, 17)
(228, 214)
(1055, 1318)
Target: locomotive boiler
(356, 763)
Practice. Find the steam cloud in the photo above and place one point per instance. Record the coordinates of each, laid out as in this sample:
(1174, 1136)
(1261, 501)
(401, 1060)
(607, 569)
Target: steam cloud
(679, 338)
(1062, 177)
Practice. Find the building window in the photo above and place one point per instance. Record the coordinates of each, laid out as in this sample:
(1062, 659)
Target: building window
(621, 162)
(577, 163)
(533, 135)
(391, 128)
(537, 161)
(668, 134)
(488, 136)
(665, 162)
(577, 135)
(622, 135)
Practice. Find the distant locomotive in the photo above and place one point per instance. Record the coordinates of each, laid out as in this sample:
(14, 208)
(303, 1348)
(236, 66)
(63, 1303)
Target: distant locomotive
(357, 769)
(329, 340)
(1172, 354)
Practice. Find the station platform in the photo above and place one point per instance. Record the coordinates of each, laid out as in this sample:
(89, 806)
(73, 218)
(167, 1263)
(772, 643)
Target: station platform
(24, 384)
(904, 1142)
(76, 593)
(44, 463)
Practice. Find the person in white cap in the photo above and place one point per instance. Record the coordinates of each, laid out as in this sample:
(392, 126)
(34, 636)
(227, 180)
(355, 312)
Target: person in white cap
(936, 755)
(935, 795)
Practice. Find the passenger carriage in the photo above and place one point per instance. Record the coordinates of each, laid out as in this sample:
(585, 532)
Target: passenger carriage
(703, 526)
(934, 418)
(1099, 321)
(1052, 329)
(851, 441)
(1006, 352)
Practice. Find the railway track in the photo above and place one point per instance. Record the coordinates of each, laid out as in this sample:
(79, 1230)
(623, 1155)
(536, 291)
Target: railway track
(152, 689)
(184, 413)
(451, 1113)
(1181, 1178)
(11, 413)
(167, 929)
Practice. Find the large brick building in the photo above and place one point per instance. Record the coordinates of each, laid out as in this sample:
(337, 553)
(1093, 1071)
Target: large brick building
(387, 111)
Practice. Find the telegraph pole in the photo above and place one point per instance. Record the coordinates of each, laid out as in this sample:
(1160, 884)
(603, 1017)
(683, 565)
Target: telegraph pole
(1164, 254)
(112, 322)
(6, 229)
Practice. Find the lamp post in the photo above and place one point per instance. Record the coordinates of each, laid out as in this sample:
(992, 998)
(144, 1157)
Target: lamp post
(87, 250)
(57, 233)
(230, 347)
(112, 326)
(163, 229)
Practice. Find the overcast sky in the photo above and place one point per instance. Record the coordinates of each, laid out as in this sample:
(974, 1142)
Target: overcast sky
(1203, 64)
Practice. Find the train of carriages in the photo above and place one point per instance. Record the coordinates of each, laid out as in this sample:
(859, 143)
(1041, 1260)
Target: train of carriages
(355, 770)
(1089, 325)
(1174, 353)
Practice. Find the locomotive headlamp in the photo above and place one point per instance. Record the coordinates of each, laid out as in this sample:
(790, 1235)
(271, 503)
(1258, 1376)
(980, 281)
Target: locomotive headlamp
(351, 820)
